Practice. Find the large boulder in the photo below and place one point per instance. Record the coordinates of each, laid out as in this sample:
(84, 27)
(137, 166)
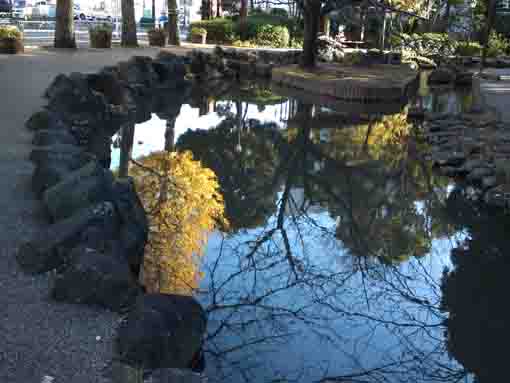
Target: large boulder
(50, 137)
(170, 69)
(134, 229)
(162, 331)
(96, 278)
(84, 187)
(138, 70)
(73, 99)
(441, 76)
(41, 253)
(54, 166)
(38, 120)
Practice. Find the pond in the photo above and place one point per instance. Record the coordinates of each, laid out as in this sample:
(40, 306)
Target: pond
(346, 257)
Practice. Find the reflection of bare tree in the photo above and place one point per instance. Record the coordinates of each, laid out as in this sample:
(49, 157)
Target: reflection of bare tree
(290, 277)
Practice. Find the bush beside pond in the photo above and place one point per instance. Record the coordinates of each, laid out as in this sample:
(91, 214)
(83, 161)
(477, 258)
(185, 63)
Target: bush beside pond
(11, 40)
(261, 30)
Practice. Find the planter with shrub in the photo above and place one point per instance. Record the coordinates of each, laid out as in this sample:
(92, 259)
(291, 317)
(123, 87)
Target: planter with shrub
(11, 40)
(198, 35)
(101, 36)
(219, 31)
(157, 37)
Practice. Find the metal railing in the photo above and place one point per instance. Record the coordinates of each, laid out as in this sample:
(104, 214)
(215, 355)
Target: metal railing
(42, 32)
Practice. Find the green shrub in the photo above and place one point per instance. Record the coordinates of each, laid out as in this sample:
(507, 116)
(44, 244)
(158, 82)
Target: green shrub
(469, 48)
(244, 44)
(104, 27)
(9, 31)
(279, 12)
(498, 45)
(425, 44)
(220, 30)
(275, 36)
(198, 31)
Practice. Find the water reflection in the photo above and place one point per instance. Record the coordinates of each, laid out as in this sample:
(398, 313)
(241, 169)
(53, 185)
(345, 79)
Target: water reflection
(331, 268)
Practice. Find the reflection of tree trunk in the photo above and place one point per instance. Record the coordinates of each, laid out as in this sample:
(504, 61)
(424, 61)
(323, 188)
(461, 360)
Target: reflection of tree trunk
(64, 25)
(128, 38)
(126, 149)
(367, 137)
(170, 134)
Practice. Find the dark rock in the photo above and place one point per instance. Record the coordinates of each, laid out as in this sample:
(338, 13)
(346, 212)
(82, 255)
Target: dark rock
(96, 278)
(441, 76)
(173, 375)
(58, 152)
(38, 120)
(489, 182)
(477, 174)
(170, 69)
(138, 70)
(464, 79)
(108, 83)
(49, 137)
(134, 224)
(83, 187)
(100, 146)
(162, 331)
(53, 169)
(40, 253)
(74, 101)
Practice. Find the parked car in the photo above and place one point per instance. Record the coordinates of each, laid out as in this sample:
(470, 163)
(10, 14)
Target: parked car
(5, 6)
(78, 13)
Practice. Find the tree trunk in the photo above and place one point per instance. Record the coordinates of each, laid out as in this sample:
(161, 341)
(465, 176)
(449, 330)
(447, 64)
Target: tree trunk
(128, 38)
(383, 30)
(311, 16)
(219, 8)
(243, 19)
(173, 26)
(64, 25)
(491, 9)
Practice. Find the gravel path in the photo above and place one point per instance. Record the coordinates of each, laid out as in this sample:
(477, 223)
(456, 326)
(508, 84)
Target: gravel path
(38, 337)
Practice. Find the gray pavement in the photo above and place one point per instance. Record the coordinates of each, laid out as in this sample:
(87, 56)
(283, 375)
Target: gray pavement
(38, 338)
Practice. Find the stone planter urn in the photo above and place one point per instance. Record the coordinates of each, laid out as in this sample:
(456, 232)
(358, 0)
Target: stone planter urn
(11, 40)
(198, 35)
(100, 36)
(157, 37)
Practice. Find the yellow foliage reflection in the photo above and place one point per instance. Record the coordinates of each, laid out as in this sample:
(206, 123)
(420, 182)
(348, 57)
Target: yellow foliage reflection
(183, 204)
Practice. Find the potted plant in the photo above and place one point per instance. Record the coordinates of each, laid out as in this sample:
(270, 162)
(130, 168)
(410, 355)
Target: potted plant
(101, 36)
(157, 37)
(198, 35)
(11, 40)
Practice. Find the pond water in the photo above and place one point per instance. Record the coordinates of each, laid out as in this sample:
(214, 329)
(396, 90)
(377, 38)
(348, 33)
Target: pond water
(342, 261)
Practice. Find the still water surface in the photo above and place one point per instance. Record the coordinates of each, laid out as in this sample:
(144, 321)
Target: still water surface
(341, 263)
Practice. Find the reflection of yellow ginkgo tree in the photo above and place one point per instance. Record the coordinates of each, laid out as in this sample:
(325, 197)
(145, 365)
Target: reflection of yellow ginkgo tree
(183, 203)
